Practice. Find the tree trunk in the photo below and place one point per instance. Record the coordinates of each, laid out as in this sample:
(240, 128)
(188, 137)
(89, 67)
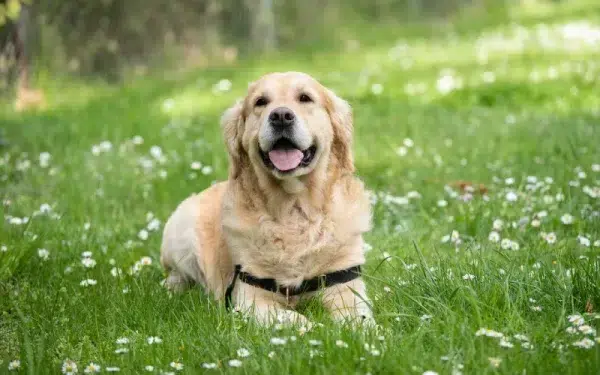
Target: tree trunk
(263, 24)
(22, 46)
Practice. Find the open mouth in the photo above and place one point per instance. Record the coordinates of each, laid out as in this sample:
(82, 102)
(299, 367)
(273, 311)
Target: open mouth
(285, 156)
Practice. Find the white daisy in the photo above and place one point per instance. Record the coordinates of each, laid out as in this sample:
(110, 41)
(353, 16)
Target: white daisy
(43, 254)
(505, 343)
(511, 196)
(567, 219)
(495, 361)
(88, 282)
(498, 225)
(550, 238)
(584, 343)
(209, 365)
(341, 344)
(584, 241)
(576, 319)
(153, 340)
(234, 363)
(69, 367)
(494, 236)
(587, 330)
(92, 368)
(88, 262)
(14, 365)
(176, 365)
(278, 341)
(243, 352)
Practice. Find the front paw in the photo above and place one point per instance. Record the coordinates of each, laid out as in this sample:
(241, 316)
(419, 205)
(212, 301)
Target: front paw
(289, 317)
(355, 317)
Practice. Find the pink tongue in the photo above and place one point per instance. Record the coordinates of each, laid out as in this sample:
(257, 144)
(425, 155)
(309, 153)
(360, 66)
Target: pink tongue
(285, 160)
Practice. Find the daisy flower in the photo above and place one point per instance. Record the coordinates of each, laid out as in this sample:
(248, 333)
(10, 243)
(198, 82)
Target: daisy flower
(511, 196)
(14, 365)
(69, 367)
(494, 236)
(153, 340)
(209, 365)
(495, 362)
(278, 341)
(576, 319)
(234, 363)
(489, 333)
(176, 365)
(88, 262)
(243, 352)
(584, 241)
(92, 368)
(341, 344)
(587, 330)
(113, 369)
(584, 343)
(567, 219)
(498, 225)
(505, 343)
(43, 254)
(88, 282)
(550, 238)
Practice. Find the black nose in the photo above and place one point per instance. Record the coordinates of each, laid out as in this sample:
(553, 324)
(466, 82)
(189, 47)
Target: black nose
(281, 117)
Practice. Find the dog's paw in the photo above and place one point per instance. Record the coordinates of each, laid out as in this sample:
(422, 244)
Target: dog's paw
(175, 283)
(289, 317)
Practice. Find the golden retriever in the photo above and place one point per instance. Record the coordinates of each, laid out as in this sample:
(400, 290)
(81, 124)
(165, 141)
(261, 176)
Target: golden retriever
(291, 209)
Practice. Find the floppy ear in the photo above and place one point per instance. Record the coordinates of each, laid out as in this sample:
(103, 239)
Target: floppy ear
(231, 125)
(340, 113)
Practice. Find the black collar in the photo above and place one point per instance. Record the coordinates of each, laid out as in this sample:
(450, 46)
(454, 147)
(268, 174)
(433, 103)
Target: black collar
(311, 285)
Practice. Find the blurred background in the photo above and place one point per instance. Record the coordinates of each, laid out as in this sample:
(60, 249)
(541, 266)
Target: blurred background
(114, 39)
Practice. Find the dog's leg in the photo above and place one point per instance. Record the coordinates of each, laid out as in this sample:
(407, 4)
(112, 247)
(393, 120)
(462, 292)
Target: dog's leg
(348, 302)
(266, 307)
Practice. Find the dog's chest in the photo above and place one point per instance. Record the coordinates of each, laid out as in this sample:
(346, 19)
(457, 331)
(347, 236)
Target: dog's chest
(290, 247)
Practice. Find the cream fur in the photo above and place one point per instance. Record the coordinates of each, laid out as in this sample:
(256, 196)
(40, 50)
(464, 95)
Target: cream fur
(289, 228)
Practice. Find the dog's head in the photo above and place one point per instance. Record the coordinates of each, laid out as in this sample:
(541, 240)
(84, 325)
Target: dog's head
(287, 126)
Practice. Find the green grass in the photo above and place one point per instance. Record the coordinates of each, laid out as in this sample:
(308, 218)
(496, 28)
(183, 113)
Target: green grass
(520, 126)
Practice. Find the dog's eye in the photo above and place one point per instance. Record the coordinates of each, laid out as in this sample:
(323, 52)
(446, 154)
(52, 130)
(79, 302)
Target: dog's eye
(261, 102)
(305, 98)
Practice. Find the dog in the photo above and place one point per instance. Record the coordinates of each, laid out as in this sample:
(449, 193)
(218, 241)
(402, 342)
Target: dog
(288, 223)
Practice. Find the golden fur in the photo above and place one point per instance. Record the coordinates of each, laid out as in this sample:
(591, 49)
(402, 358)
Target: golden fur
(287, 227)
